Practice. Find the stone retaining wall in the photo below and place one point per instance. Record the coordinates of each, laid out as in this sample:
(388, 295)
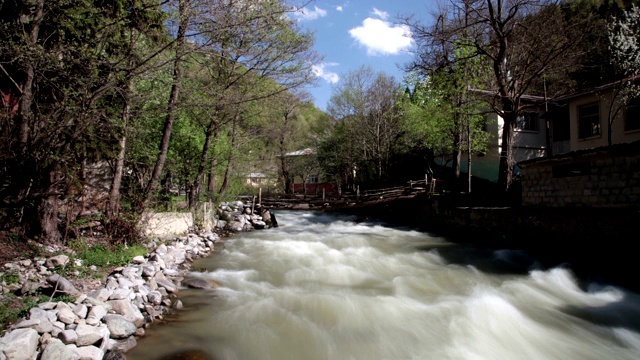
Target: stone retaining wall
(603, 177)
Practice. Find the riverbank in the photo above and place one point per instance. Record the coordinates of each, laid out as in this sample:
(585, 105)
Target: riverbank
(65, 312)
(597, 243)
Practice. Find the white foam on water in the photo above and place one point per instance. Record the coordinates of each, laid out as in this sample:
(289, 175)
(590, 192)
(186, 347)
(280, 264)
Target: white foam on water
(321, 288)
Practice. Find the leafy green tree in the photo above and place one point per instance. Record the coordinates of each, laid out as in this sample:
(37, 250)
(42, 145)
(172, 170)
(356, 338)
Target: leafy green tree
(520, 40)
(366, 99)
(59, 63)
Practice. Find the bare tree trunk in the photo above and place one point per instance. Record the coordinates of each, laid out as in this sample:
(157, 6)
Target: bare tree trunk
(184, 9)
(25, 112)
(214, 164)
(46, 211)
(113, 206)
(505, 171)
(209, 134)
(226, 182)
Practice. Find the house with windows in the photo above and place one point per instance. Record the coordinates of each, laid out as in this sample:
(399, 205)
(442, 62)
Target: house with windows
(582, 120)
(573, 122)
(594, 160)
(530, 138)
(306, 174)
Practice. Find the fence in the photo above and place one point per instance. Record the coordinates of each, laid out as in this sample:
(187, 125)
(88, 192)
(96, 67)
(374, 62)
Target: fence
(429, 184)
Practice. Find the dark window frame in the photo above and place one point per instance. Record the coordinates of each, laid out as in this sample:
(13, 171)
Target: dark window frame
(528, 121)
(632, 115)
(589, 120)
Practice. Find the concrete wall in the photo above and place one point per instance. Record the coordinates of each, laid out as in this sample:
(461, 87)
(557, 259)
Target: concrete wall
(165, 224)
(603, 177)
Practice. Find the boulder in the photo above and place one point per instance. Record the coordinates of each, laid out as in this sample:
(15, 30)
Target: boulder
(90, 353)
(62, 285)
(56, 350)
(55, 261)
(119, 327)
(128, 311)
(20, 344)
(88, 335)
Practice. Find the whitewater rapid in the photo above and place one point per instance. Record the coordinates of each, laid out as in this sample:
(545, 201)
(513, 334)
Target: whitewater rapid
(326, 286)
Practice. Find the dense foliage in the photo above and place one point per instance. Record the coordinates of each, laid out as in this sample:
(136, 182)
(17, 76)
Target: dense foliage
(110, 108)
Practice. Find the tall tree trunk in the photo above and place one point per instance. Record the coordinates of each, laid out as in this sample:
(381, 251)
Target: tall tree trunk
(214, 164)
(42, 218)
(25, 112)
(226, 182)
(505, 170)
(204, 157)
(184, 12)
(113, 205)
(284, 168)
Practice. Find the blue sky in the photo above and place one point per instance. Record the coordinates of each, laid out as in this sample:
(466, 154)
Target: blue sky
(351, 33)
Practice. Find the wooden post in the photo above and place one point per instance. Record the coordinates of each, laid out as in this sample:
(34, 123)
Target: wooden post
(260, 196)
(358, 193)
(323, 195)
(253, 203)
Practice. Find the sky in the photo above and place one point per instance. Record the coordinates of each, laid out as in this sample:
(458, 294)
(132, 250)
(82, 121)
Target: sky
(352, 33)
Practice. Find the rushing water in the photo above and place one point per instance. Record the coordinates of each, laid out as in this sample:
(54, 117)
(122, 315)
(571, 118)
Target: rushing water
(327, 287)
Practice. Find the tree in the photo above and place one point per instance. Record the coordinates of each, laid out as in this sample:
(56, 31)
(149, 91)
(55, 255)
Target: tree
(59, 60)
(248, 52)
(522, 41)
(142, 23)
(624, 44)
(184, 15)
(366, 99)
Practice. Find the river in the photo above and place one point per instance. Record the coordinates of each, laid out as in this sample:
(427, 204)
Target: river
(323, 286)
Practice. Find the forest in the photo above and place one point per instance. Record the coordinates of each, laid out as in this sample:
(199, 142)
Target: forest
(113, 108)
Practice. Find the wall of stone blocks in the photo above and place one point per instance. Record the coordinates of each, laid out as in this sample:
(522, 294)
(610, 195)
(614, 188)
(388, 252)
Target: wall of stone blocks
(603, 177)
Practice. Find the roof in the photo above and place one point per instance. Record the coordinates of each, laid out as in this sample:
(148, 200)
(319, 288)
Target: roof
(596, 89)
(624, 148)
(532, 98)
(307, 151)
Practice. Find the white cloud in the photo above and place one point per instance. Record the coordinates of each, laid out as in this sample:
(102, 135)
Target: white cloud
(381, 37)
(381, 14)
(306, 14)
(321, 72)
(339, 8)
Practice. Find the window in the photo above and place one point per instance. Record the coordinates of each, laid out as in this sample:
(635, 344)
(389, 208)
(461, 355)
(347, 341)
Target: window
(588, 120)
(632, 115)
(528, 121)
(313, 179)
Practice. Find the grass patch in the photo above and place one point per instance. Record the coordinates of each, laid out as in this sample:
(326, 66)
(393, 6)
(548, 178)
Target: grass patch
(9, 278)
(13, 308)
(103, 256)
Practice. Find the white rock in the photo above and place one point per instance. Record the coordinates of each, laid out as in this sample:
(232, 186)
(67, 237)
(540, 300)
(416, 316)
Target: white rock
(80, 310)
(55, 261)
(96, 314)
(56, 350)
(88, 335)
(154, 297)
(90, 353)
(101, 294)
(20, 344)
(119, 294)
(68, 336)
(66, 315)
(128, 311)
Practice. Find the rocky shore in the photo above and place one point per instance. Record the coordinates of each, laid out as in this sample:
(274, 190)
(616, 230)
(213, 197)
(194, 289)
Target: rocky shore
(104, 320)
